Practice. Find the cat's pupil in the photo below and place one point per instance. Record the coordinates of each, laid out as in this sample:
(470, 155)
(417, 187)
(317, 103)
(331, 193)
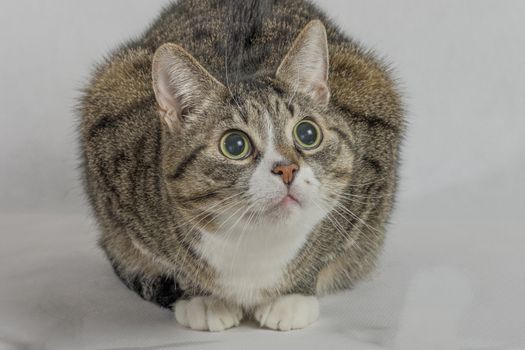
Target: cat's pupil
(306, 133)
(235, 144)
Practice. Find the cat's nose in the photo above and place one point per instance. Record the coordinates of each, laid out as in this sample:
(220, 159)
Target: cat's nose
(286, 171)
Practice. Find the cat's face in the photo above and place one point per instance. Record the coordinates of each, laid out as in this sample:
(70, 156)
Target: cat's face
(269, 152)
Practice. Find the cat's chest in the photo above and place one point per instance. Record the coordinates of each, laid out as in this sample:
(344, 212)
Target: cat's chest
(249, 262)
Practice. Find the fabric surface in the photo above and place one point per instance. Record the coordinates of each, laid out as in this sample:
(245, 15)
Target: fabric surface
(59, 292)
(452, 273)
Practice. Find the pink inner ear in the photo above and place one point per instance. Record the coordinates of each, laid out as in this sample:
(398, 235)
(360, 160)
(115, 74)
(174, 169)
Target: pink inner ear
(167, 95)
(320, 93)
(305, 66)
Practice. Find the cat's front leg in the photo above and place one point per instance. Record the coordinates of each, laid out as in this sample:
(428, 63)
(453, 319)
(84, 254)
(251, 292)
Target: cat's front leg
(287, 312)
(206, 313)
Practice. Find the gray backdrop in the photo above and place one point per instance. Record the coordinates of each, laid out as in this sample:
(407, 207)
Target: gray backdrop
(461, 65)
(461, 203)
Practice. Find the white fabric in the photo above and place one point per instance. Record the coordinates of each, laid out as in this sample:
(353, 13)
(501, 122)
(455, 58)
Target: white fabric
(59, 292)
(461, 205)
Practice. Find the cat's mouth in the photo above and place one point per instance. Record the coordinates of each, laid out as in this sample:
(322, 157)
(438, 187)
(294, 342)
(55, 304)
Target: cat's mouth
(289, 200)
(283, 205)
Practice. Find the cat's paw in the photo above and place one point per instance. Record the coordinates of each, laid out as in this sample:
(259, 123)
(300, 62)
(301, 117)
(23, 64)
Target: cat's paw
(207, 314)
(288, 312)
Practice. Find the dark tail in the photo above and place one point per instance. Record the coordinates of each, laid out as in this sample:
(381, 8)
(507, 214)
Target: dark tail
(247, 16)
(161, 290)
(243, 25)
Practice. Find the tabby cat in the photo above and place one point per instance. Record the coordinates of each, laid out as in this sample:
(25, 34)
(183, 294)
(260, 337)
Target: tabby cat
(241, 159)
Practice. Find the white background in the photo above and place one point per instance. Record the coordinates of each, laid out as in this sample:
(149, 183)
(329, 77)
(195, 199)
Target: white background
(461, 201)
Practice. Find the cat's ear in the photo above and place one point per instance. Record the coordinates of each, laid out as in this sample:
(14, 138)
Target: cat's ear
(305, 66)
(180, 83)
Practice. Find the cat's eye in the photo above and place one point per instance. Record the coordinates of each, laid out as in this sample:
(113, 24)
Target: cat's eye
(307, 134)
(235, 145)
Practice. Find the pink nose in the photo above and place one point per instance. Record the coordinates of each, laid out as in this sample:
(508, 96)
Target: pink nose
(287, 172)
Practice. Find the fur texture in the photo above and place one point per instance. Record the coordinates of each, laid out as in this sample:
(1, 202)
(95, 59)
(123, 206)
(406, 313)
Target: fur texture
(181, 221)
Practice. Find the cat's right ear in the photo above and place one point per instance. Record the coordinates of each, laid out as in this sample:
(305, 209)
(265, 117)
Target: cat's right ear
(180, 83)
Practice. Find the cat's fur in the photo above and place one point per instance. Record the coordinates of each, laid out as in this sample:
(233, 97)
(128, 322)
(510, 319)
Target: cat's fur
(169, 204)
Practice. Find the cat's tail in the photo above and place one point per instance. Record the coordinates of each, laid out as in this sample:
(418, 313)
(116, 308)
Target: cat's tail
(161, 290)
(244, 23)
(247, 16)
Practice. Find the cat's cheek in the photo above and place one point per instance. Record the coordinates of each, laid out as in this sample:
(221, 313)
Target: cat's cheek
(305, 187)
(266, 188)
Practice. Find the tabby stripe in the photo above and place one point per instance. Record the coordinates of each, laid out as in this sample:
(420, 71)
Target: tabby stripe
(202, 196)
(114, 120)
(278, 90)
(106, 121)
(374, 163)
(157, 162)
(137, 177)
(291, 108)
(346, 138)
(181, 168)
(372, 121)
(198, 197)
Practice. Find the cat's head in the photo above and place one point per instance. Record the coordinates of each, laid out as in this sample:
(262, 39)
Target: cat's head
(266, 151)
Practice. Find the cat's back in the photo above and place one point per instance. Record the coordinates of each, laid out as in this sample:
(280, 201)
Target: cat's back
(232, 39)
(238, 37)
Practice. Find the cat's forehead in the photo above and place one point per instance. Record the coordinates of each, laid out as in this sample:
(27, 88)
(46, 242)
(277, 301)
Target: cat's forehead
(265, 114)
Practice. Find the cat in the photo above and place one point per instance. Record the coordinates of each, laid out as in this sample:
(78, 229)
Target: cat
(241, 160)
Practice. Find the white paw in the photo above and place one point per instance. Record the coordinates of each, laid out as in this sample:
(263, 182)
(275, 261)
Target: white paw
(288, 312)
(207, 314)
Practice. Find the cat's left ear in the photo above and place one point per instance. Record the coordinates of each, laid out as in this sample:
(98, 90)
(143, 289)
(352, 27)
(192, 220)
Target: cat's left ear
(305, 66)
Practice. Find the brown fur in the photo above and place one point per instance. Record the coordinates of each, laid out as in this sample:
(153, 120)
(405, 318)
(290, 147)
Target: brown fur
(144, 184)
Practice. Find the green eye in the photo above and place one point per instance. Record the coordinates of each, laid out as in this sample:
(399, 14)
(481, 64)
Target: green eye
(235, 145)
(307, 134)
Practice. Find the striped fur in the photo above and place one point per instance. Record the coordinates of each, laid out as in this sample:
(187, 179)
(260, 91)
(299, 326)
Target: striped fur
(145, 185)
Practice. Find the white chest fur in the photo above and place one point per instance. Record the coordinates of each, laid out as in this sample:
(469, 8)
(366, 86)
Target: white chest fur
(249, 261)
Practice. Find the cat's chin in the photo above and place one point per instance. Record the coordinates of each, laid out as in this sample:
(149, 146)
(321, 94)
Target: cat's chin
(288, 210)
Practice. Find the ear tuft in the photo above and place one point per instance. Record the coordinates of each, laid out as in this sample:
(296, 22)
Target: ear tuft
(305, 66)
(180, 83)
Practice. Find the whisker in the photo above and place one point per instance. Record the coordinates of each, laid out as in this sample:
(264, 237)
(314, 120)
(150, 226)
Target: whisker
(351, 196)
(296, 89)
(386, 195)
(361, 234)
(205, 211)
(340, 229)
(228, 83)
(333, 220)
(225, 208)
(241, 236)
(358, 218)
(368, 183)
